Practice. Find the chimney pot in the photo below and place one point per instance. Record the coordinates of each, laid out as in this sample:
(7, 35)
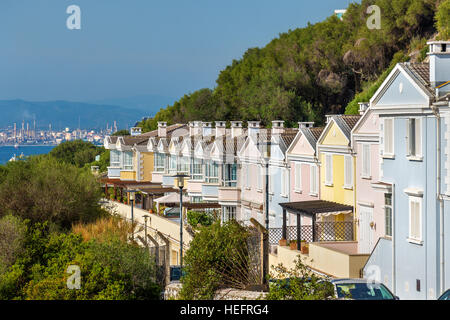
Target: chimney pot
(162, 128)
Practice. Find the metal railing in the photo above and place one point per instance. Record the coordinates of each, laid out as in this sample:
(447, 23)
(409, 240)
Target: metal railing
(324, 231)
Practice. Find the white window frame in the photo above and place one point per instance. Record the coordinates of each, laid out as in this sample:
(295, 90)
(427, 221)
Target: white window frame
(388, 207)
(416, 140)
(366, 169)
(158, 158)
(115, 158)
(348, 172)
(127, 160)
(328, 169)
(229, 180)
(313, 180)
(270, 177)
(211, 172)
(388, 153)
(298, 177)
(247, 176)
(259, 178)
(413, 238)
(197, 169)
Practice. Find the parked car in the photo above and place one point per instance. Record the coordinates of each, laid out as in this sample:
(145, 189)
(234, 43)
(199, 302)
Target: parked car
(361, 289)
(445, 295)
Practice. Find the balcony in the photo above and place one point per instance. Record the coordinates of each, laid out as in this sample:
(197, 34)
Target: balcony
(168, 180)
(210, 190)
(231, 194)
(114, 172)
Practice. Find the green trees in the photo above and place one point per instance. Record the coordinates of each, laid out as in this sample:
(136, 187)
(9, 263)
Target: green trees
(44, 189)
(76, 152)
(443, 20)
(308, 72)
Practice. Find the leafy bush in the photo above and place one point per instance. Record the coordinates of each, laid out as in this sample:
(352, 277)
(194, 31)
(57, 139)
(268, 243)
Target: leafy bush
(298, 283)
(213, 250)
(44, 189)
(202, 218)
(77, 152)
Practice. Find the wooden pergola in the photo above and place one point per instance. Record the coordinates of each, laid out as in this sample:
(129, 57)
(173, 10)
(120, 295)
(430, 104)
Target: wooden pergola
(309, 208)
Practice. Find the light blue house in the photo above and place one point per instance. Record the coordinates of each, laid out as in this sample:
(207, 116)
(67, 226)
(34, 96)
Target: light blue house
(413, 260)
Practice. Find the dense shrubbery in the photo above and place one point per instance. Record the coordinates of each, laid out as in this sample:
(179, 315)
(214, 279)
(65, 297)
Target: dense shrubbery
(308, 72)
(202, 218)
(215, 249)
(112, 269)
(77, 152)
(44, 189)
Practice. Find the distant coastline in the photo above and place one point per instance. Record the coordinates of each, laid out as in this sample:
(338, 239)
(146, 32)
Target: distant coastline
(28, 145)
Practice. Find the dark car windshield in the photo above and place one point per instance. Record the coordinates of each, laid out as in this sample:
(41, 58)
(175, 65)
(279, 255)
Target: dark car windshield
(363, 291)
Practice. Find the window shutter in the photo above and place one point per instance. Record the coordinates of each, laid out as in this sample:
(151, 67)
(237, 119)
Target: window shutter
(418, 137)
(415, 223)
(348, 171)
(298, 176)
(313, 179)
(366, 161)
(328, 169)
(388, 136)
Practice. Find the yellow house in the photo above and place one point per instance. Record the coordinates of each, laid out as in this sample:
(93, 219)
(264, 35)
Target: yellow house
(337, 164)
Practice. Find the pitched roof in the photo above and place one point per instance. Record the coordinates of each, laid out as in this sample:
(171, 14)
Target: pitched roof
(346, 123)
(420, 72)
(312, 134)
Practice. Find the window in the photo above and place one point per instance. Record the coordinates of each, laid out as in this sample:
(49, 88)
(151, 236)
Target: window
(388, 137)
(247, 176)
(197, 170)
(183, 165)
(196, 199)
(128, 161)
(348, 172)
(230, 175)
(228, 213)
(172, 164)
(415, 219)
(366, 170)
(160, 159)
(211, 172)
(328, 170)
(298, 177)
(313, 180)
(259, 178)
(388, 213)
(414, 137)
(115, 158)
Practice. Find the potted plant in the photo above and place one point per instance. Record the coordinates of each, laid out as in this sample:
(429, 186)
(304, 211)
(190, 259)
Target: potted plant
(282, 242)
(304, 247)
(293, 244)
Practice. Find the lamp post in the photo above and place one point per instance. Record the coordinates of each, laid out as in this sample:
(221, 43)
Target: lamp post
(180, 178)
(131, 197)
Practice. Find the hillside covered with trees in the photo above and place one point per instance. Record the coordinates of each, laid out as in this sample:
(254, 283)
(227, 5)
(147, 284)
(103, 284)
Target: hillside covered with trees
(324, 68)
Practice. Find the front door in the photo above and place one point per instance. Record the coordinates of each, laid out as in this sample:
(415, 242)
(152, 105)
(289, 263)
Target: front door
(365, 229)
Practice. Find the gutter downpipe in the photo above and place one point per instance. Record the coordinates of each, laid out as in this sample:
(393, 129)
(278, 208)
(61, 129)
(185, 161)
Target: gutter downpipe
(394, 280)
(435, 110)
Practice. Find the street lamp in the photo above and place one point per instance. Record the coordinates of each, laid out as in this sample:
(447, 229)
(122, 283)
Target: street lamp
(180, 178)
(131, 197)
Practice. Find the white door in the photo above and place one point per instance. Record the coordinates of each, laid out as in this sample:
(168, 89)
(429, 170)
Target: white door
(365, 229)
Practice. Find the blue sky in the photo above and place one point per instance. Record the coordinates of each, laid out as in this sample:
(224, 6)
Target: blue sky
(133, 47)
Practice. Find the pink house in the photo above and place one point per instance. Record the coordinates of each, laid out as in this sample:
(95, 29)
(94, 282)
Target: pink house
(373, 198)
(304, 180)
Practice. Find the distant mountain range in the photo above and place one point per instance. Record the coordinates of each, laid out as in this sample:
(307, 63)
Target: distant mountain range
(61, 114)
(150, 103)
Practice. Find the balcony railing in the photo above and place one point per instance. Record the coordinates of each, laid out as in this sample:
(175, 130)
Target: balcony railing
(324, 231)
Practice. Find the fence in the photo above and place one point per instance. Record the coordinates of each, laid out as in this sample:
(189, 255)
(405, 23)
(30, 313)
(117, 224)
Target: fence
(324, 231)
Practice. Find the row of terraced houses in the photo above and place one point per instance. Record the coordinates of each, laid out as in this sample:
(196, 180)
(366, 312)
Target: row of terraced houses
(368, 194)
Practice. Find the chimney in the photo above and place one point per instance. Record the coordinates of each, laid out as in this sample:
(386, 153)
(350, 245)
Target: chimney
(329, 117)
(220, 128)
(306, 124)
(439, 54)
(135, 131)
(277, 127)
(195, 128)
(253, 127)
(162, 129)
(207, 128)
(363, 106)
(236, 129)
